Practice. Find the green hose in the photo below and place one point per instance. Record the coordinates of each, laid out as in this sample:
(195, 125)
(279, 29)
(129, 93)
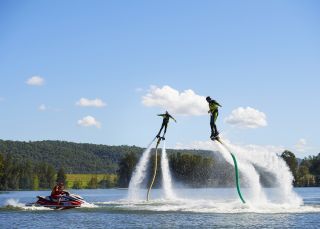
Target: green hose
(237, 177)
(155, 169)
(236, 172)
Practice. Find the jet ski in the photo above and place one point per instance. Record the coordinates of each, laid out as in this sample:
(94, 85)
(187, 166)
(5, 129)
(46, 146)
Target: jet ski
(65, 202)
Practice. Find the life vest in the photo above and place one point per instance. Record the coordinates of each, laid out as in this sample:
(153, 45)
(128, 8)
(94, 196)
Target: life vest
(213, 106)
(56, 191)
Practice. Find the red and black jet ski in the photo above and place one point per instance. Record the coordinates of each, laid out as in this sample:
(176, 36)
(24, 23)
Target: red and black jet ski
(63, 202)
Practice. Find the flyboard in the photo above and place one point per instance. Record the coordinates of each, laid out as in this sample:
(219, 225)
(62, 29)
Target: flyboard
(217, 138)
(155, 167)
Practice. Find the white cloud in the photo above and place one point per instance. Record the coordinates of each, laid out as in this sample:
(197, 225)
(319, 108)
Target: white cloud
(89, 121)
(301, 145)
(35, 81)
(84, 102)
(42, 107)
(181, 103)
(247, 118)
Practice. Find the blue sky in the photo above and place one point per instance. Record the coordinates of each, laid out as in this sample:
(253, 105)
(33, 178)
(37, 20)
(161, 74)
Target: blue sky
(259, 54)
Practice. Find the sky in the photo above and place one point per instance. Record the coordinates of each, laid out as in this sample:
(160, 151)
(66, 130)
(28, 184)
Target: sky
(101, 71)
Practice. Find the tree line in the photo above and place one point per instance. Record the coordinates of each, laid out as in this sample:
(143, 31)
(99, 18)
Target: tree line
(187, 168)
(196, 170)
(307, 172)
(26, 175)
(38, 165)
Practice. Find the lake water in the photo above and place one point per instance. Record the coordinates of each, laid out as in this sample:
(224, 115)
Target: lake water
(202, 208)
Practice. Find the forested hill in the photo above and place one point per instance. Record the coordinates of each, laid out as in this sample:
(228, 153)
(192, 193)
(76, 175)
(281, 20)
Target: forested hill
(74, 157)
(32, 165)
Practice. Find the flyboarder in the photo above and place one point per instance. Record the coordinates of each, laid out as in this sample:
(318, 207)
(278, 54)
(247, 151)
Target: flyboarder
(166, 117)
(213, 110)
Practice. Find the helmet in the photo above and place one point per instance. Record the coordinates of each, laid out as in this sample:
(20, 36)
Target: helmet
(208, 98)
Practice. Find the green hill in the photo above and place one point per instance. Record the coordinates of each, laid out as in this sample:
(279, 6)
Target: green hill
(75, 157)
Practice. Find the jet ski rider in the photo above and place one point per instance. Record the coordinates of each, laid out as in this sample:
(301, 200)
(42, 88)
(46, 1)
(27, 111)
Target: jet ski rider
(58, 191)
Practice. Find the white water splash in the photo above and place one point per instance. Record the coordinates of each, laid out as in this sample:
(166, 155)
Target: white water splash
(166, 176)
(255, 193)
(191, 202)
(274, 164)
(139, 174)
(88, 205)
(16, 204)
(251, 157)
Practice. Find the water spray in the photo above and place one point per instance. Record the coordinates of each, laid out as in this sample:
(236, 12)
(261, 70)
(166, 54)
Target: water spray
(235, 169)
(166, 176)
(155, 168)
(139, 173)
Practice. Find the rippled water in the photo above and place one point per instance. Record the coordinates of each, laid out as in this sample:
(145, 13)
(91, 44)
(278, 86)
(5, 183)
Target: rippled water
(194, 208)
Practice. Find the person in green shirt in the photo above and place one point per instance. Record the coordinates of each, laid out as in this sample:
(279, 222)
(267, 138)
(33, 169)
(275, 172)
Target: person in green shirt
(213, 110)
(166, 117)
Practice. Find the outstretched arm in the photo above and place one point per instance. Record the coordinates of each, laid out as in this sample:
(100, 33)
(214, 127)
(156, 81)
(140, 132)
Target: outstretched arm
(217, 103)
(172, 118)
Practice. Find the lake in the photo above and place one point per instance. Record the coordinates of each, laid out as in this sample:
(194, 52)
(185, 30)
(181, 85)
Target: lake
(202, 208)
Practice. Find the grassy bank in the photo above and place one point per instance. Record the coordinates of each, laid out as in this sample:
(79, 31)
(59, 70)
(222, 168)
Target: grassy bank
(91, 181)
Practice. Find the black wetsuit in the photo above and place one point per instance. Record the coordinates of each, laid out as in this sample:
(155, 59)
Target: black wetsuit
(165, 121)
